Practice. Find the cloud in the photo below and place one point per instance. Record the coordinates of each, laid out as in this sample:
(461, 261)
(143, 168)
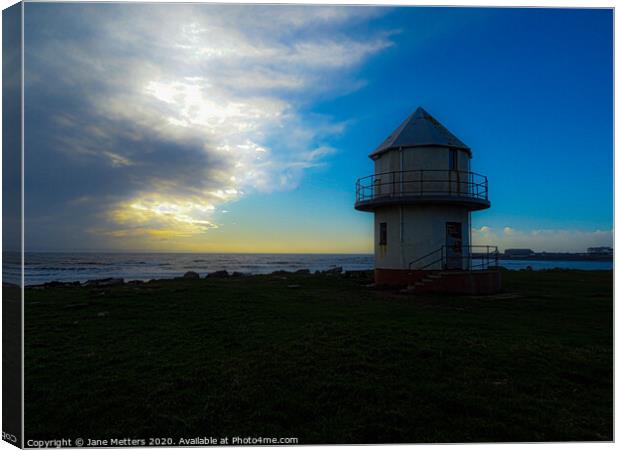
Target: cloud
(160, 114)
(550, 240)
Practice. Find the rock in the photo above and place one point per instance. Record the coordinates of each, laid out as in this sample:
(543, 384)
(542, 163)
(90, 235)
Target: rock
(103, 314)
(55, 284)
(281, 272)
(293, 286)
(302, 272)
(105, 282)
(135, 282)
(219, 274)
(238, 274)
(191, 275)
(334, 271)
(358, 274)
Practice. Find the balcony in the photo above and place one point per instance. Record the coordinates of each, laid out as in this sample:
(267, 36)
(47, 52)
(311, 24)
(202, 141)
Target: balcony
(409, 187)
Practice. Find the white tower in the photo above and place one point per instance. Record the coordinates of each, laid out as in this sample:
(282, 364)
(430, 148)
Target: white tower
(422, 194)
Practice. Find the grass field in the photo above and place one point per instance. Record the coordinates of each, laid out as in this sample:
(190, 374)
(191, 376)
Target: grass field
(327, 361)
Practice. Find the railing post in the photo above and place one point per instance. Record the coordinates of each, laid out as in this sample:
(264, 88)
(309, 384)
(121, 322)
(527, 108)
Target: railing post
(488, 257)
(421, 182)
(441, 257)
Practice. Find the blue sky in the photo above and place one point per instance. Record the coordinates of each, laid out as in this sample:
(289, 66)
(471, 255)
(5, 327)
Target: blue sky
(238, 128)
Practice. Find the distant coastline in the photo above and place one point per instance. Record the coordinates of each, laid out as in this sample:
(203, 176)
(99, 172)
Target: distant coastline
(557, 257)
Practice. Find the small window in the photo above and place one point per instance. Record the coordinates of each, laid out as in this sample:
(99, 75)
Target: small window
(453, 159)
(383, 233)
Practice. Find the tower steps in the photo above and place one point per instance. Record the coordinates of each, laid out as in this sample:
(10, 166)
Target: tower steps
(428, 283)
(456, 282)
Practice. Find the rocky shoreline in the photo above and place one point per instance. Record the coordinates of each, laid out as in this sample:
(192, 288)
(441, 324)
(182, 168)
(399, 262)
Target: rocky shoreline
(192, 275)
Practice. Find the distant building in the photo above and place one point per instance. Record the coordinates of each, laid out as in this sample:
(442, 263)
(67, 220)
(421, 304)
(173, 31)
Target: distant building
(600, 251)
(518, 252)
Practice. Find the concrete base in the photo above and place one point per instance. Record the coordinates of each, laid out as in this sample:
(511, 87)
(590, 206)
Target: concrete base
(442, 281)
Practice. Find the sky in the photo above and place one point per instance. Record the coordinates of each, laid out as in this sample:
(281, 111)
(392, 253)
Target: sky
(237, 128)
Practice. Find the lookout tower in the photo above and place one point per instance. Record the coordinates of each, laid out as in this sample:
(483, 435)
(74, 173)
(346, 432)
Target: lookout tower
(422, 194)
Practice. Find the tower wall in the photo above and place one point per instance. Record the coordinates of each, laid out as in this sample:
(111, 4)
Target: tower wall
(415, 231)
(419, 158)
(391, 176)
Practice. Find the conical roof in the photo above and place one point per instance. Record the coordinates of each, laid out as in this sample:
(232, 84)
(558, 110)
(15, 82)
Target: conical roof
(420, 129)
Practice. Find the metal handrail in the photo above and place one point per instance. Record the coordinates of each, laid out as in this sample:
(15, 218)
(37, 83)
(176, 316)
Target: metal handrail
(422, 183)
(488, 259)
(440, 249)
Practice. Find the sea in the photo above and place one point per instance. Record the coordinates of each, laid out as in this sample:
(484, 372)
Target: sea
(44, 267)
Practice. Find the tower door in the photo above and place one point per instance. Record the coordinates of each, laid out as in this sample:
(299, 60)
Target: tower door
(454, 245)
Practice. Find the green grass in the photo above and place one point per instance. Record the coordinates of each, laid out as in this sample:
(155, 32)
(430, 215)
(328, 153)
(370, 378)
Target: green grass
(328, 362)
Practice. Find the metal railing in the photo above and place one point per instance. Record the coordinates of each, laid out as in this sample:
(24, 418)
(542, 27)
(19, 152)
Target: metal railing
(477, 257)
(422, 183)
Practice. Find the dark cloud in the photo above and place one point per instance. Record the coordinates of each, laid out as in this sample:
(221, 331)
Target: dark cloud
(147, 117)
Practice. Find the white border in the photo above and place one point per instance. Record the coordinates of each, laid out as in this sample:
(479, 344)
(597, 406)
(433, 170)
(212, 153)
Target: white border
(479, 3)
